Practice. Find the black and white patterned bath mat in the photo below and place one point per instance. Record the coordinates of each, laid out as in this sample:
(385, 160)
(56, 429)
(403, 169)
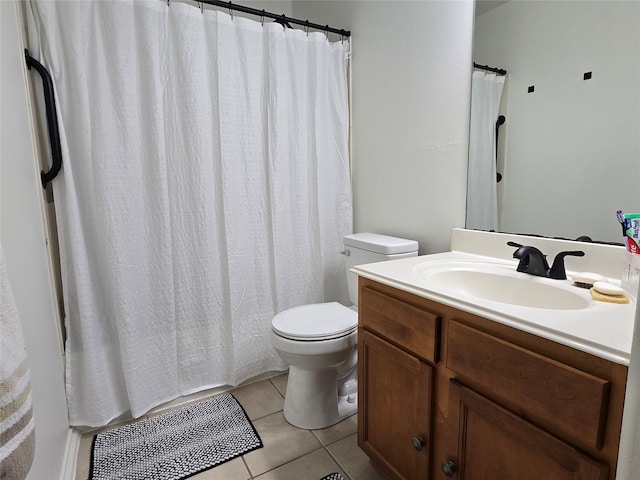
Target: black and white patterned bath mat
(176, 444)
(333, 476)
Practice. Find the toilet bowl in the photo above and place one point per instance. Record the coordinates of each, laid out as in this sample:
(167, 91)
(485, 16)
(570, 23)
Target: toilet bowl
(319, 341)
(321, 387)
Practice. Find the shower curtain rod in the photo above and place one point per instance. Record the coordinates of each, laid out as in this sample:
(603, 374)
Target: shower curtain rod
(499, 71)
(281, 19)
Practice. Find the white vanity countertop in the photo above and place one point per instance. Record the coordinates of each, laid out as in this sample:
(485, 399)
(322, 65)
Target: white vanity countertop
(602, 329)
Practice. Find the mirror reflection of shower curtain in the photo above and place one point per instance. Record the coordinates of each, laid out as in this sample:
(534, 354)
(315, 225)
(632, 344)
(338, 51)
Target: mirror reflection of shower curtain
(482, 196)
(205, 188)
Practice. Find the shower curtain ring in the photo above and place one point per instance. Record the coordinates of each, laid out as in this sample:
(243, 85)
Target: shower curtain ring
(262, 18)
(306, 27)
(326, 32)
(201, 7)
(231, 10)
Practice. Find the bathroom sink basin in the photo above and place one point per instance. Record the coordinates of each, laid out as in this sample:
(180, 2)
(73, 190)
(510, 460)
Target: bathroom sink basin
(500, 283)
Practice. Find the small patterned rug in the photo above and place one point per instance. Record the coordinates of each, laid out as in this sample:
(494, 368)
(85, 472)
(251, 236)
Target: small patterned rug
(175, 445)
(333, 476)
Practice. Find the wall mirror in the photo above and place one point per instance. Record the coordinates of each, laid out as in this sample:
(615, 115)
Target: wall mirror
(569, 150)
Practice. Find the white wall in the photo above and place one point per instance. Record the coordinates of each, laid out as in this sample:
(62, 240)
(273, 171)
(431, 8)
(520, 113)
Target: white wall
(411, 72)
(279, 7)
(24, 244)
(571, 158)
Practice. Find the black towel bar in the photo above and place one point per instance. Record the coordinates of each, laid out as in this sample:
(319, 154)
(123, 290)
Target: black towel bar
(500, 121)
(52, 119)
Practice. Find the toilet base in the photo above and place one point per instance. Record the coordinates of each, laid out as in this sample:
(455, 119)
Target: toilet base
(312, 401)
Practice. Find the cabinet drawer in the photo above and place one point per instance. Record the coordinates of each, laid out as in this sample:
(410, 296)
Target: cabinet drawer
(554, 395)
(409, 327)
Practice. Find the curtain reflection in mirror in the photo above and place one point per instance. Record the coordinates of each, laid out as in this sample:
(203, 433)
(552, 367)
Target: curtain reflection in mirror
(482, 197)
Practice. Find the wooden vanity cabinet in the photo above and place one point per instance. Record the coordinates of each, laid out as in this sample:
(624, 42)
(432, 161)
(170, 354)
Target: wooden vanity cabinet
(447, 394)
(395, 406)
(491, 442)
(397, 353)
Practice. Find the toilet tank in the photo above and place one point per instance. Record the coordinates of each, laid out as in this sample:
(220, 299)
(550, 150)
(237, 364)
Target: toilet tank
(361, 248)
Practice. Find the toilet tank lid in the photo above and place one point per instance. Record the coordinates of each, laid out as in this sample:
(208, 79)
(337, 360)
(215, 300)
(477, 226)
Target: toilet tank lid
(377, 243)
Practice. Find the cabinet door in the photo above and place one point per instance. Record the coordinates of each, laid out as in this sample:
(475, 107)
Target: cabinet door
(487, 441)
(394, 408)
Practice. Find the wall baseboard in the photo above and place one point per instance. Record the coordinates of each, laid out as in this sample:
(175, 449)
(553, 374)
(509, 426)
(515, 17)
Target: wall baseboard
(70, 459)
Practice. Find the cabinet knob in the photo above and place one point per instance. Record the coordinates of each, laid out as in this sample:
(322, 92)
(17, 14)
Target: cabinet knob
(418, 443)
(448, 468)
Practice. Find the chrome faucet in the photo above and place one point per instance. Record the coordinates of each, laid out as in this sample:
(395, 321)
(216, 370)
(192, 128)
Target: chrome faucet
(534, 262)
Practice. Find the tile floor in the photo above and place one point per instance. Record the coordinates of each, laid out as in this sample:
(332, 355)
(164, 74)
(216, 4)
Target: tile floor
(288, 452)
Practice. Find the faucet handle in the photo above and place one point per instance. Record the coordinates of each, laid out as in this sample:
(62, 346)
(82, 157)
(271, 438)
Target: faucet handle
(557, 270)
(514, 244)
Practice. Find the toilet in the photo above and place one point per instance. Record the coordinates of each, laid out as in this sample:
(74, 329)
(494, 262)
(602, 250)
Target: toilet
(319, 341)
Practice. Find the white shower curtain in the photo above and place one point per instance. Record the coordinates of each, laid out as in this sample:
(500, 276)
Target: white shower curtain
(482, 195)
(205, 187)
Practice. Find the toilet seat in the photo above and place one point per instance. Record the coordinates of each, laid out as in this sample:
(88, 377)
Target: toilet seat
(315, 322)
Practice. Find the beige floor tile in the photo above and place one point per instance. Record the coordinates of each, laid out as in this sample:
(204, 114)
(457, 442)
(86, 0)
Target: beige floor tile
(336, 432)
(233, 470)
(313, 466)
(282, 443)
(353, 460)
(280, 382)
(259, 399)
